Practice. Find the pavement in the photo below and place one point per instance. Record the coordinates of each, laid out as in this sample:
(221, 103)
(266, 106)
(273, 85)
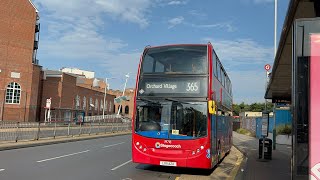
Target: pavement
(254, 168)
(226, 170)
(96, 157)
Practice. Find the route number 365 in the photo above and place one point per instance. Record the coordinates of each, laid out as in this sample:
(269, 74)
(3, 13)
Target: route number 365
(191, 87)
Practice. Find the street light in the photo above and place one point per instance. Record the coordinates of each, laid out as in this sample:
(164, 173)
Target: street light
(105, 94)
(124, 89)
(275, 54)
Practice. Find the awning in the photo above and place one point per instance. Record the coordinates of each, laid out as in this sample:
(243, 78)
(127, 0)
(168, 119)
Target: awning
(279, 87)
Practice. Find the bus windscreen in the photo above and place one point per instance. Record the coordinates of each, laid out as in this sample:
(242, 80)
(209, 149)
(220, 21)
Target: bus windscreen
(171, 119)
(175, 60)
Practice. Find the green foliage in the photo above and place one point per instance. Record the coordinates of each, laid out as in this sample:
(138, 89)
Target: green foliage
(254, 107)
(245, 132)
(284, 129)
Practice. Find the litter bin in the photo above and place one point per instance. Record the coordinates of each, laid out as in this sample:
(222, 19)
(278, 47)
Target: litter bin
(267, 148)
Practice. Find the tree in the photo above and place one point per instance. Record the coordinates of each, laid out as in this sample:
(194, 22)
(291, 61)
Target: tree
(254, 107)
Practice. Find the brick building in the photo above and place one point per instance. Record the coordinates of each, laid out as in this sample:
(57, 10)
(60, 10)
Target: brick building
(126, 108)
(69, 96)
(20, 73)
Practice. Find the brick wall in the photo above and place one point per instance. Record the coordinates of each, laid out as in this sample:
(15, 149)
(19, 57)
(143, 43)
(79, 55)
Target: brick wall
(64, 91)
(129, 104)
(17, 30)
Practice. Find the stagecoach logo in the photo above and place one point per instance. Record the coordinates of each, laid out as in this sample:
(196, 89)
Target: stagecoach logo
(157, 145)
(171, 146)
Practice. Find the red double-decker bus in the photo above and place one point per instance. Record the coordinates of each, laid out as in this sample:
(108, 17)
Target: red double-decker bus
(183, 107)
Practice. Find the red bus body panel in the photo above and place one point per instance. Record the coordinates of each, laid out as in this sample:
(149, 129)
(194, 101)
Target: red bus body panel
(147, 153)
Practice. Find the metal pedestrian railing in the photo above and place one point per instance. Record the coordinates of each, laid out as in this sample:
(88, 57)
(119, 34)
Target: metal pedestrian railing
(23, 131)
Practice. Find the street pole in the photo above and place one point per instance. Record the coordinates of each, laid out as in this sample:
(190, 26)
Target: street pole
(275, 53)
(124, 89)
(104, 98)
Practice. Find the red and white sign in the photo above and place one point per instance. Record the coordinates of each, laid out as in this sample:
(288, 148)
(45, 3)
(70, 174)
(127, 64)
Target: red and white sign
(48, 103)
(267, 67)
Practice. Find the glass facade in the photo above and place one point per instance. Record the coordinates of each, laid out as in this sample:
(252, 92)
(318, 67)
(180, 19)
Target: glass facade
(303, 30)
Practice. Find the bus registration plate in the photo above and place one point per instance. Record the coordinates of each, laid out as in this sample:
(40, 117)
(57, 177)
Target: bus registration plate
(168, 163)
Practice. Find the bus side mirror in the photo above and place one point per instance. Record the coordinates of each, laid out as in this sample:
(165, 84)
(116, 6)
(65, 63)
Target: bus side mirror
(212, 107)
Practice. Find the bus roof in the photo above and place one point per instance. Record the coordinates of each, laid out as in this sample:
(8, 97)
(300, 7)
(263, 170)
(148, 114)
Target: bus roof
(166, 45)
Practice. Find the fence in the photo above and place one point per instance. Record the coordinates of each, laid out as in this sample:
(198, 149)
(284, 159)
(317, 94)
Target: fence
(18, 131)
(248, 123)
(106, 118)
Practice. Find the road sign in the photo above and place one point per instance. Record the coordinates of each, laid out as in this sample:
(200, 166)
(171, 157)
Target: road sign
(267, 67)
(48, 103)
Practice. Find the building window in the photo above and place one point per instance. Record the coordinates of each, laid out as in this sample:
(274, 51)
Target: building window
(77, 102)
(101, 105)
(84, 107)
(126, 110)
(90, 104)
(96, 105)
(106, 106)
(110, 106)
(13, 93)
(120, 107)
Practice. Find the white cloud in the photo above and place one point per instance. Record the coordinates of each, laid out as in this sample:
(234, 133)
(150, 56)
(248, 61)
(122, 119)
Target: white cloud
(129, 10)
(241, 51)
(133, 11)
(243, 60)
(227, 25)
(177, 2)
(197, 14)
(181, 20)
(175, 21)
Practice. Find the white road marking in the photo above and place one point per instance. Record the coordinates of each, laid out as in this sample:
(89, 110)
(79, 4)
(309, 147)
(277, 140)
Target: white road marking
(63, 156)
(113, 145)
(121, 165)
(2, 170)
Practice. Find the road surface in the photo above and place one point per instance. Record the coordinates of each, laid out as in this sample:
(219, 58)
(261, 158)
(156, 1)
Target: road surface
(105, 158)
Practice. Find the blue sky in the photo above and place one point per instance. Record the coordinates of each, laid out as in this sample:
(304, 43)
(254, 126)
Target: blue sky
(108, 36)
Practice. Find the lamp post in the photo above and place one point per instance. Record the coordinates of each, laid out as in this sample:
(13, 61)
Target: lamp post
(275, 54)
(124, 89)
(105, 94)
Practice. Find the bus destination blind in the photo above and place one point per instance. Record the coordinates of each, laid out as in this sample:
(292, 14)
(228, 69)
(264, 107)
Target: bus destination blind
(166, 87)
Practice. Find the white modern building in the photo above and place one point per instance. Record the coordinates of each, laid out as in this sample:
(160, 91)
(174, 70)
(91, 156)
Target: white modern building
(87, 74)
